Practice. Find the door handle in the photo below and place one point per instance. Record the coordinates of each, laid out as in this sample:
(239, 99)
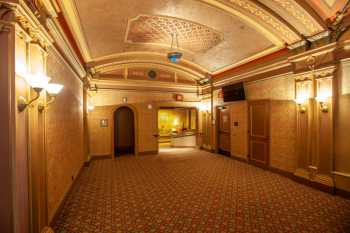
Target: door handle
(156, 135)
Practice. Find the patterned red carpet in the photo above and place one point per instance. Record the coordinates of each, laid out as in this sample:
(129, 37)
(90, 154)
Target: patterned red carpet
(194, 191)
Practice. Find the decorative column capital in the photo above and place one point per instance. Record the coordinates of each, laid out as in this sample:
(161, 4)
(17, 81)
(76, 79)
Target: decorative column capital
(7, 16)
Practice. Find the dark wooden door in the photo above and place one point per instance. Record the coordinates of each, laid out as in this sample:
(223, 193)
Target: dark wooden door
(259, 132)
(124, 132)
(224, 131)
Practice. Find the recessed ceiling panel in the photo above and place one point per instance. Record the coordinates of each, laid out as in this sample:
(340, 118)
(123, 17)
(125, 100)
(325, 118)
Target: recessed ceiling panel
(166, 31)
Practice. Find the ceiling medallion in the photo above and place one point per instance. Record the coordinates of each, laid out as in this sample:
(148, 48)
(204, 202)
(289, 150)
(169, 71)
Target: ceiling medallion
(174, 56)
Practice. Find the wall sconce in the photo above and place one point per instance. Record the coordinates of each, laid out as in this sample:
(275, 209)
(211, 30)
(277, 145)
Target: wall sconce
(322, 99)
(203, 107)
(91, 107)
(301, 103)
(38, 83)
(52, 90)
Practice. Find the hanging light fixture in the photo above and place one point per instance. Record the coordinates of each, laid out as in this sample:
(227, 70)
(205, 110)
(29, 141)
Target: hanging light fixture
(174, 56)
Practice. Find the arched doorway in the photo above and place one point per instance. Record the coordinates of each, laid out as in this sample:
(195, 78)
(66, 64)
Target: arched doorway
(124, 132)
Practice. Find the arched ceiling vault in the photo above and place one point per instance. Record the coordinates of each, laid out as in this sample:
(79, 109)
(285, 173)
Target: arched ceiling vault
(214, 35)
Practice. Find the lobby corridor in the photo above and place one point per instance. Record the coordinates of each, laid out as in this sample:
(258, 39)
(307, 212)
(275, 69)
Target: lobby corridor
(188, 190)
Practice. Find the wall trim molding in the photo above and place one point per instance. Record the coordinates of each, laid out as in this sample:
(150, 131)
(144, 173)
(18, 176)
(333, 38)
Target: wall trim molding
(298, 179)
(65, 197)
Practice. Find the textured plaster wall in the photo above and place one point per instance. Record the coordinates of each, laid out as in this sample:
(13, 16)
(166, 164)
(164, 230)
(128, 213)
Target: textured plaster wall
(102, 138)
(64, 132)
(283, 135)
(281, 88)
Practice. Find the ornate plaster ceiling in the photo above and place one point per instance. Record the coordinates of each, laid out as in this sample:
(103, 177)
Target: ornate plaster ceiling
(214, 35)
(164, 30)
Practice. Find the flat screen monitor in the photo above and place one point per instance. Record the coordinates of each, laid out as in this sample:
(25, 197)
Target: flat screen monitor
(234, 92)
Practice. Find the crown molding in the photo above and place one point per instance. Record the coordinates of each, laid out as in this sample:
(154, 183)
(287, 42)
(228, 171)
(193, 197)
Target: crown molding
(249, 59)
(46, 36)
(73, 20)
(24, 18)
(260, 19)
(144, 85)
(63, 43)
(127, 63)
(257, 71)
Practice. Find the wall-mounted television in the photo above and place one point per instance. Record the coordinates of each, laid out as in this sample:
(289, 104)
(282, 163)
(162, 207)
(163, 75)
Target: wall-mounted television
(234, 92)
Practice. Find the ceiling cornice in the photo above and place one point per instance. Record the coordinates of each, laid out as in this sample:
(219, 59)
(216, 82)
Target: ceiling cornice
(73, 20)
(144, 85)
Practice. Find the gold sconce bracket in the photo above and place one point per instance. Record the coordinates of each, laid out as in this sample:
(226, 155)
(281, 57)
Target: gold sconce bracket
(324, 107)
(42, 106)
(302, 108)
(22, 103)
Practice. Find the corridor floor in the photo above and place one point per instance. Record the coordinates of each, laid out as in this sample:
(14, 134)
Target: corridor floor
(193, 191)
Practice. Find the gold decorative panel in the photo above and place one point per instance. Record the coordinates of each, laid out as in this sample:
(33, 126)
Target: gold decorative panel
(158, 30)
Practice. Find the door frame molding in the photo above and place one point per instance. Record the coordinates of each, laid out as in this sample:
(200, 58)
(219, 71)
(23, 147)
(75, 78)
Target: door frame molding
(136, 127)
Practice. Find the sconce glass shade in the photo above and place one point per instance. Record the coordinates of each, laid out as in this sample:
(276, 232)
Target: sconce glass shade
(91, 107)
(203, 106)
(300, 100)
(322, 98)
(21, 69)
(54, 88)
(38, 82)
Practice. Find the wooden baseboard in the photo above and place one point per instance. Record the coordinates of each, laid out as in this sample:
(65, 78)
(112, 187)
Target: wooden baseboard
(238, 158)
(99, 157)
(207, 150)
(65, 197)
(342, 193)
(298, 179)
(148, 153)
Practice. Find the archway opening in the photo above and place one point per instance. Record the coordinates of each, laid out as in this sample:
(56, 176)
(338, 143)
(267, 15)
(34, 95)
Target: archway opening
(124, 132)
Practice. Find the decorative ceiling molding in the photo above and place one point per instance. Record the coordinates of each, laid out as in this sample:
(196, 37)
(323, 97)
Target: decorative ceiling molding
(24, 18)
(252, 72)
(73, 20)
(266, 22)
(145, 64)
(159, 29)
(309, 24)
(47, 37)
(250, 16)
(248, 59)
(262, 20)
(127, 59)
(62, 41)
(141, 85)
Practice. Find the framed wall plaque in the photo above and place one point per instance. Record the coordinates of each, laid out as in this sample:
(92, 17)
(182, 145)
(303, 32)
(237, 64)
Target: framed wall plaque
(104, 123)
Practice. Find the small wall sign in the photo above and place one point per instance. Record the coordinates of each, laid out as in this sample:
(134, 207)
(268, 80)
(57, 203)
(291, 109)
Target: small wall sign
(104, 123)
(179, 97)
